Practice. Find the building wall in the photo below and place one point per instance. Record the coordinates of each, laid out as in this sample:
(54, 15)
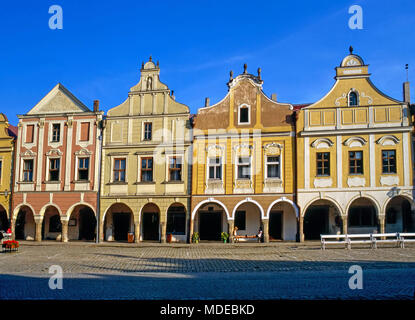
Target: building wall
(6, 158)
(124, 139)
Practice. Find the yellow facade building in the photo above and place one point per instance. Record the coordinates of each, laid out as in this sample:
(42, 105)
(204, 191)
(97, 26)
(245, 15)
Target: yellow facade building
(244, 165)
(354, 158)
(6, 167)
(144, 185)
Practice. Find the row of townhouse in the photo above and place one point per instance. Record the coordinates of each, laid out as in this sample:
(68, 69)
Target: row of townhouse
(151, 171)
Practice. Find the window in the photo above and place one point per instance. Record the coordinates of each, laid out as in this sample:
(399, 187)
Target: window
(323, 163)
(54, 165)
(356, 162)
(244, 168)
(273, 167)
(55, 224)
(176, 221)
(83, 169)
(56, 132)
(30, 130)
(362, 217)
(215, 168)
(353, 99)
(147, 130)
(84, 131)
(147, 169)
(28, 170)
(175, 169)
(244, 114)
(388, 161)
(240, 220)
(119, 170)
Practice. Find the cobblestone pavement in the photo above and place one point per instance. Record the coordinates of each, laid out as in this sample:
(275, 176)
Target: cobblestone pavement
(183, 271)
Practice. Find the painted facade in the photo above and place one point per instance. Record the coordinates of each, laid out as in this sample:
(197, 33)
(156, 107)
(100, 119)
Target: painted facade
(145, 187)
(354, 158)
(243, 165)
(6, 167)
(56, 176)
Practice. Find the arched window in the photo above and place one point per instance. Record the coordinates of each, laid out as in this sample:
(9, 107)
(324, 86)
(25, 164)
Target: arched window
(353, 101)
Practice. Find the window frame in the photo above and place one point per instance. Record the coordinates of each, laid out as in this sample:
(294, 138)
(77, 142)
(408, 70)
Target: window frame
(357, 98)
(119, 170)
(269, 163)
(355, 166)
(323, 167)
(24, 170)
(145, 131)
(243, 106)
(175, 169)
(389, 166)
(239, 164)
(217, 165)
(53, 140)
(146, 169)
(83, 169)
(50, 169)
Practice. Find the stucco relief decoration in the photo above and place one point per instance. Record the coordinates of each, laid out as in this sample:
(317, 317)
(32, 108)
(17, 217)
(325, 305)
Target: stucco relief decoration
(54, 152)
(322, 143)
(273, 148)
(243, 149)
(343, 96)
(389, 180)
(352, 62)
(28, 153)
(369, 98)
(214, 150)
(83, 152)
(355, 142)
(388, 141)
(356, 182)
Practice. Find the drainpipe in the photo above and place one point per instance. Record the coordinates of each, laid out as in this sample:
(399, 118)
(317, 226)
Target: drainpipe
(100, 138)
(295, 195)
(12, 185)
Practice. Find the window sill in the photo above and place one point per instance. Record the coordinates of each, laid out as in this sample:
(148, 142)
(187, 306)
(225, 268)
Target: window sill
(173, 182)
(145, 182)
(25, 182)
(117, 183)
(81, 181)
(52, 182)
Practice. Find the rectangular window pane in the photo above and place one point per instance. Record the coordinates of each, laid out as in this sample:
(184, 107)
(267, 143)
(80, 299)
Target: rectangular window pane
(30, 129)
(323, 163)
(56, 128)
(84, 131)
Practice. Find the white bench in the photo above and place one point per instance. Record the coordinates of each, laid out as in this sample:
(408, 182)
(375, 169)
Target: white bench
(385, 238)
(359, 239)
(333, 239)
(406, 237)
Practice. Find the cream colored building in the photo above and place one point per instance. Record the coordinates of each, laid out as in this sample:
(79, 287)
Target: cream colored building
(354, 158)
(144, 186)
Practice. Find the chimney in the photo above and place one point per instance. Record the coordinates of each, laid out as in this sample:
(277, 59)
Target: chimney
(207, 102)
(274, 97)
(96, 105)
(406, 95)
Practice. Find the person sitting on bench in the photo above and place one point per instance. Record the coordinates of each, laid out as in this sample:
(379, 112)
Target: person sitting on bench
(235, 234)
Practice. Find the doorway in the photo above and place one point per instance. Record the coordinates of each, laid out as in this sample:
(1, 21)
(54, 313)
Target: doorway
(210, 225)
(316, 222)
(275, 225)
(151, 226)
(121, 222)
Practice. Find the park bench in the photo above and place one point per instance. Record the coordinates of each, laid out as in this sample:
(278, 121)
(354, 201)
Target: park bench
(246, 238)
(333, 239)
(385, 238)
(406, 237)
(359, 239)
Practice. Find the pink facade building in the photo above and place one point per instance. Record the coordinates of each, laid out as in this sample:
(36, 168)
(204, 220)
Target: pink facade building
(56, 169)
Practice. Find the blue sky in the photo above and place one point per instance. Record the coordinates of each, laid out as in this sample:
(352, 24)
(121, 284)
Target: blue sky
(98, 53)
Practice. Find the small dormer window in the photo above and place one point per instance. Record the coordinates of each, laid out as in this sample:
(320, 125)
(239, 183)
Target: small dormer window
(243, 117)
(353, 98)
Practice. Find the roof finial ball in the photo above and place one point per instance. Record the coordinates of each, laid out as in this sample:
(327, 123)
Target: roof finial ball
(351, 50)
(245, 67)
(150, 59)
(259, 73)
